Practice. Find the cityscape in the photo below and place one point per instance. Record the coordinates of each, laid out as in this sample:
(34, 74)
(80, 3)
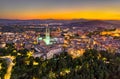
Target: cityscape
(59, 40)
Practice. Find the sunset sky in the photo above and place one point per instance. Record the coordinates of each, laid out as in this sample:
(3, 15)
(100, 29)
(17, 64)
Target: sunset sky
(60, 9)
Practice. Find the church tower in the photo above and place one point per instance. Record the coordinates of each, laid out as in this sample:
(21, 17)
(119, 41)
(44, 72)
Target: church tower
(47, 36)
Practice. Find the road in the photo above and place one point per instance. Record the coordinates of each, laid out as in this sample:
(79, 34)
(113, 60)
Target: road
(10, 64)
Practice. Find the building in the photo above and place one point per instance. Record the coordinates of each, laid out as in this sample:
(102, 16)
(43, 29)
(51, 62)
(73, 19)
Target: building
(47, 37)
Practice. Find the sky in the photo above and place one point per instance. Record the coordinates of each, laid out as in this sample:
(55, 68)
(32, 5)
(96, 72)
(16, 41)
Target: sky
(60, 9)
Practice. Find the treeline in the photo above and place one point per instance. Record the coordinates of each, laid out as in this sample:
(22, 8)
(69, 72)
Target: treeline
(91, 65)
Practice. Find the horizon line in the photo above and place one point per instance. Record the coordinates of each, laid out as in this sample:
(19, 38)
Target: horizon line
(57, 19)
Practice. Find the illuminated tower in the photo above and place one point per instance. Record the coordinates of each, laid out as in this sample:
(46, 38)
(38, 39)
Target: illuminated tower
(47, 36)
(39, 39)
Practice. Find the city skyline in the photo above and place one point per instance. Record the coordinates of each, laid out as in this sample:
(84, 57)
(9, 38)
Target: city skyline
(59, 39)
(60, 9)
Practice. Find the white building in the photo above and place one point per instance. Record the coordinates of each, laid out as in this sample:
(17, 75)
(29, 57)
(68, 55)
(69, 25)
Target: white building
(53, 52)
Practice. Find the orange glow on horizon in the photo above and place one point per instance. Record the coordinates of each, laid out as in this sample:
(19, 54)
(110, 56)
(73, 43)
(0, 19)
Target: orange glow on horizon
(103, 15)
(61, 9)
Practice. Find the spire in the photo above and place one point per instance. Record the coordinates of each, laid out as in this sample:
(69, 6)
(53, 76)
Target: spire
(47, 31)
(47, 38)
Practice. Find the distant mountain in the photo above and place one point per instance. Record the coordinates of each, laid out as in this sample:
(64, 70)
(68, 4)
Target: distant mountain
(114, 21)
(71, 23)
(38, 21)
(94, 23)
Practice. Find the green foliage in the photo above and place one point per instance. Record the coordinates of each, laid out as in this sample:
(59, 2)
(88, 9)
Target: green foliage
(92, 65)
(8, 50)
(3, 68)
